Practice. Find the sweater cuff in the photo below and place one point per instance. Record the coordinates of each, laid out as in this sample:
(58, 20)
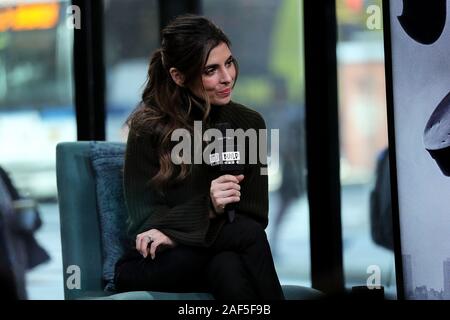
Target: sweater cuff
(212, 211)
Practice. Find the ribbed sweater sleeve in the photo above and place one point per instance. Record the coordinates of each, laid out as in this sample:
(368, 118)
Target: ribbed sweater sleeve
(185, 223)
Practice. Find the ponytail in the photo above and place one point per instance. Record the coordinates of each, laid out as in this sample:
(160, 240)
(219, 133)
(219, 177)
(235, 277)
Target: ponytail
(158, 116)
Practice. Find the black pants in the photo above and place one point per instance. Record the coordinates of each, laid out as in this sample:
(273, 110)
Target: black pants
(238, 265)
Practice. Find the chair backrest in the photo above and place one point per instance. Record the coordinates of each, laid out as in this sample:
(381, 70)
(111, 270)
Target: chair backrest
(80, 227)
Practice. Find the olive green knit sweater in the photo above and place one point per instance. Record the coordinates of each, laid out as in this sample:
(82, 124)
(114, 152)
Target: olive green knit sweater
(182, 211)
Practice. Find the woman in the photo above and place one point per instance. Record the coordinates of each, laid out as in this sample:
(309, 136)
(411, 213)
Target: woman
(182, 241)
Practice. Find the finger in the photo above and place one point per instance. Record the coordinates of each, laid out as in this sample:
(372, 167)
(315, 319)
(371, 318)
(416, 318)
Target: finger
(224, 201)
(228, 185)
(226, 178)
(138, 239)
(153, 248)
(224, 187)
(144, 245)
(227, 193)
(240, 177)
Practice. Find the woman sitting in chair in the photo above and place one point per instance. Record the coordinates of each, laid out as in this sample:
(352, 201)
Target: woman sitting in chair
(182, 239)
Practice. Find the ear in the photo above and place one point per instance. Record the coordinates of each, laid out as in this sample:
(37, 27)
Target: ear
(177, 76)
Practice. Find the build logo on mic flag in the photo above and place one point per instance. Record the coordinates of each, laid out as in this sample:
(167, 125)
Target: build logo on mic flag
(226, 146)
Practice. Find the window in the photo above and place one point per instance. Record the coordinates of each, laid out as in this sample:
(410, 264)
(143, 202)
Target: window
(130, 37)
(363, 138)
(37, 112)
(36, 107)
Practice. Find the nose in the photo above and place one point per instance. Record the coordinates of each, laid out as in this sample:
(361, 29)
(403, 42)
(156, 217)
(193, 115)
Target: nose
(226, 76)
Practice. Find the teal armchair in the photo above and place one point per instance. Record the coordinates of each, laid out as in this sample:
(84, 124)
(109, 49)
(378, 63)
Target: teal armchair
(83, 252)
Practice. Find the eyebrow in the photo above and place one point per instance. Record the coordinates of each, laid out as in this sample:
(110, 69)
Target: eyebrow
(216, 64)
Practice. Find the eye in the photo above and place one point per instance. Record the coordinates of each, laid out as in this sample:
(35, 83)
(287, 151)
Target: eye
(229, 62)
(210, 71)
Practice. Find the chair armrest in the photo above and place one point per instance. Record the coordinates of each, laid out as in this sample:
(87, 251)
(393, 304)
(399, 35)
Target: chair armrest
(80, 229)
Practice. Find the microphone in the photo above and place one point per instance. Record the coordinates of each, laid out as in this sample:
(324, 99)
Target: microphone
(229, 161)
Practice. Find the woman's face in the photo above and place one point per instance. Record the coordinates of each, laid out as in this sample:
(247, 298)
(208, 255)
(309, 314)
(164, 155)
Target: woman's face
(218, 76)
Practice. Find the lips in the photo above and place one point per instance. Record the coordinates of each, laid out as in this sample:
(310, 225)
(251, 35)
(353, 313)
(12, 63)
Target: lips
(225, 92)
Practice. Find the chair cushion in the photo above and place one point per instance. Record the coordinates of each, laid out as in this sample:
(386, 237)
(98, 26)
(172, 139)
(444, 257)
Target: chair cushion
(294, 292)
(107, 161)
(291, 292)
(155, 295)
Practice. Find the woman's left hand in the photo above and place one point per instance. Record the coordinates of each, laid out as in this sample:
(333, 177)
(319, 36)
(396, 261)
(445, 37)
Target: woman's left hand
(152, 240)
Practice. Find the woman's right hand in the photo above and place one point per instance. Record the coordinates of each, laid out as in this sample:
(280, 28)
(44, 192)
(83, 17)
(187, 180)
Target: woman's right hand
(224, 190)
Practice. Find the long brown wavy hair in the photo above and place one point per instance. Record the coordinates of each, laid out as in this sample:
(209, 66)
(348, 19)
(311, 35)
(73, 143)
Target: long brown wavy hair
(186, 44)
